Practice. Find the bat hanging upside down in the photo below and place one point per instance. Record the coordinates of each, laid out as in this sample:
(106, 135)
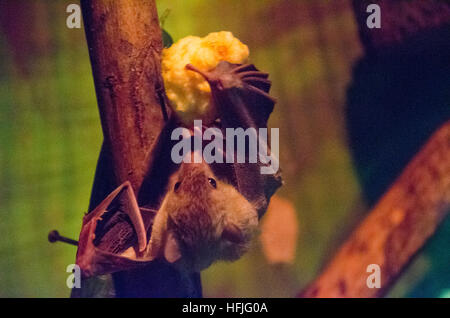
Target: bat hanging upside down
(201, 220)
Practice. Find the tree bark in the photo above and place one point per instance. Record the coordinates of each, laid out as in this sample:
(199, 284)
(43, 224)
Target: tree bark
(124, 41)
(396, 229)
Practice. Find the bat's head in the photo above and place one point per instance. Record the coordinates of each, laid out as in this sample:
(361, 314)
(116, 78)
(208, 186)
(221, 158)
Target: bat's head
(207, 218)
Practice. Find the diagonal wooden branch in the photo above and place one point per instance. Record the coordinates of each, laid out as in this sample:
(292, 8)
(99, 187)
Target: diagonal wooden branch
(414, 206)
(395, 230)
(124, 40)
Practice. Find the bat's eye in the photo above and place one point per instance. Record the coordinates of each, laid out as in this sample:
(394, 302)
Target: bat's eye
(212, 182)
(176, 186)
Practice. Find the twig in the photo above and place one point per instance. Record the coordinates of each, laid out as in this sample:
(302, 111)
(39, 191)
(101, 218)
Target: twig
(54, 236)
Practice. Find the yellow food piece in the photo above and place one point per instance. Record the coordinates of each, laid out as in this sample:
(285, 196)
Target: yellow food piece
(188, 92)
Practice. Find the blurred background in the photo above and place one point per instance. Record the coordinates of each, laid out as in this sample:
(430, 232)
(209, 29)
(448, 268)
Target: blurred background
(331, 146)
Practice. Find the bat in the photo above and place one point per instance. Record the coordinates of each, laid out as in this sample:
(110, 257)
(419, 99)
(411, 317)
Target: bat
(208, 212)
(201, 219)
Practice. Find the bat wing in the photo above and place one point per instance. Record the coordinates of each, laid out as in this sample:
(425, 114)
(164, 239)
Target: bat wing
(113, 236)
(241, 95)
(254, 92)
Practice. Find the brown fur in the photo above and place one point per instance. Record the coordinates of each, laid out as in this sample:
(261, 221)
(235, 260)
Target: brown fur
(195, 214)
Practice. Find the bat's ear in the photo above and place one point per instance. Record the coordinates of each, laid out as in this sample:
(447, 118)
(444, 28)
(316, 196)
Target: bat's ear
(171, 248)
(233, 234)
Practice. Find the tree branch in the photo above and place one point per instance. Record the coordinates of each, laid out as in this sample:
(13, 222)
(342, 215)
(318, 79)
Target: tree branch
(395, 230)
(414, 206)
(124, 40)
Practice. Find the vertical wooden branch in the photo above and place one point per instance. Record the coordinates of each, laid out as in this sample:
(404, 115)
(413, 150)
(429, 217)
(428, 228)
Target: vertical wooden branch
(124, 40)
